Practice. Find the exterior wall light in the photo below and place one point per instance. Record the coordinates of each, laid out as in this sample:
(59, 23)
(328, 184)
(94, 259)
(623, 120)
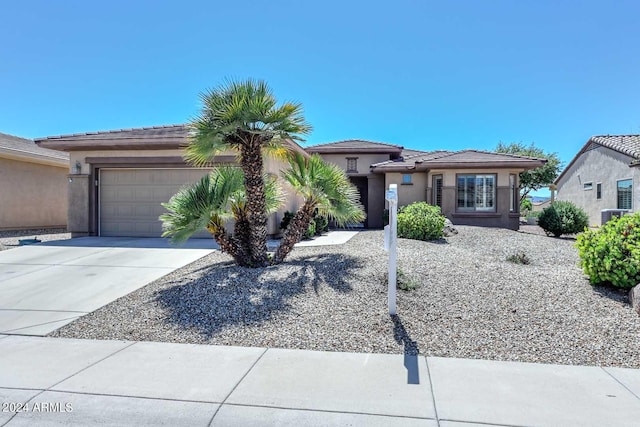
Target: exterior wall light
(77, 169)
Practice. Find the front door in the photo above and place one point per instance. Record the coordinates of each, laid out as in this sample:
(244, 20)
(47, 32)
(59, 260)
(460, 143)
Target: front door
(362, 184)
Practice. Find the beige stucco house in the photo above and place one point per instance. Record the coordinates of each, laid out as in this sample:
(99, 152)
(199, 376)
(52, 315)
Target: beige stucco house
(604, 175)
(120, 178)
(471, 187)
(33, 185)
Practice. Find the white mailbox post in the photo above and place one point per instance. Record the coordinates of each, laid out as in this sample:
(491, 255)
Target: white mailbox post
(391, 236)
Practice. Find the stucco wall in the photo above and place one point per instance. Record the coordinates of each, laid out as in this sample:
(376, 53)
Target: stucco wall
(32, 195)
(408, 193)
(599, 165)
(364, 160)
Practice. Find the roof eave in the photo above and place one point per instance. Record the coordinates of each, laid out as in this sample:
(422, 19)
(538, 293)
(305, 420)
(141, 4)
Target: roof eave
(29, 157)
(112, 144)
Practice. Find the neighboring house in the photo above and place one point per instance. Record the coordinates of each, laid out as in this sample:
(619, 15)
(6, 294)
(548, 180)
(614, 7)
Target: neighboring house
(33, 185)
(605, 174)
(471, 187)
(122, 176)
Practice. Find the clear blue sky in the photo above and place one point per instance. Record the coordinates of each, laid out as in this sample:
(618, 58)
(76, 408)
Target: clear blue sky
(423, 74)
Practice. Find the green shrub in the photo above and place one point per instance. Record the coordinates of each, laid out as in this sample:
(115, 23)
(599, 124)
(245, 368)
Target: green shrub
(519, 258)
(403, 281)
(286, 219)
(420, 221)
(563, 218)
(322, 224)
(526, 205)
(311, 231)
(611, 254)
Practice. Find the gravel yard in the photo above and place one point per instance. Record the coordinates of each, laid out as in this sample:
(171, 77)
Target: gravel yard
(471, 303)
(9, 239)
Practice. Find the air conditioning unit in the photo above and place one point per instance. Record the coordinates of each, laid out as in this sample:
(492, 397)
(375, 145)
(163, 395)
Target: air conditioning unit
(607, 214)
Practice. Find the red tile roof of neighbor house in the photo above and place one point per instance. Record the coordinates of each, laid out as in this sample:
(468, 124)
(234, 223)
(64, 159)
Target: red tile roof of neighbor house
(355, 146)
(625, 144)
(152, 137)
(456, 159)
(25, 148)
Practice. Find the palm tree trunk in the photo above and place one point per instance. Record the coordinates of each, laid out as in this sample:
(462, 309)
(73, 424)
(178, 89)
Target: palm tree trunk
(252, 164)
(296, 228)
(227, 245)
(242, 236)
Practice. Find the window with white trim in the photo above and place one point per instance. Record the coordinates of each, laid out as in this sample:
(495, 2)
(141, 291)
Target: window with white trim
(599, 191)
(587, 186)
(476, 193)
(513, 193)
(437, 190)
(625, 194)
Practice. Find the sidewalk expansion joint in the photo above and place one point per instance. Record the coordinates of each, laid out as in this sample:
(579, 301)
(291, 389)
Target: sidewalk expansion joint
(620, 382)
(433, 393)
(236, 386)
(482, 423)
(16, 330)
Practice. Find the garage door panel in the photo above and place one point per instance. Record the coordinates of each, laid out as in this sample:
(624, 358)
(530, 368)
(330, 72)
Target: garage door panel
(130, 199)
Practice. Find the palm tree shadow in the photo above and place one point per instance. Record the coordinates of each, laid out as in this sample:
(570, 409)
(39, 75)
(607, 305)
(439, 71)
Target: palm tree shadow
(411, 350)
(224, 294)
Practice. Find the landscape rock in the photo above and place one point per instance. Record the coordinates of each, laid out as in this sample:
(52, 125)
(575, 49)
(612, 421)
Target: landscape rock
(449, 230)
(634, 298)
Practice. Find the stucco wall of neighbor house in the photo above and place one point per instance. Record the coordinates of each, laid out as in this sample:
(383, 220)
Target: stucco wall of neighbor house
(82, 207)
(599, 165)
(32, 195)
(364, 161)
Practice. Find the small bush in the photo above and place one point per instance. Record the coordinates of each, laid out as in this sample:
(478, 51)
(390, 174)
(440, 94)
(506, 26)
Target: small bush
(525, 206)
(322, 224)
(563, 218)
(311, 231)
(420, 221)
(611, 254)
(286, 219)
(403, 281)
(519, 258)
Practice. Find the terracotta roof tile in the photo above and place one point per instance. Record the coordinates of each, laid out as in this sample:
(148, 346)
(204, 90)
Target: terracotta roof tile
(354, 145)
(625, 144)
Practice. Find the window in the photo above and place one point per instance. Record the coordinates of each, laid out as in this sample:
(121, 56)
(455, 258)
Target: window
(476, 193)
(437, 190)
(406, 178)
(599, 191)
(513, 194)
(587, 186)
(352, 164)
(625, 192)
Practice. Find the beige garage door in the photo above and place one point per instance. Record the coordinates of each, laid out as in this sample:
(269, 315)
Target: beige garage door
(130, 199)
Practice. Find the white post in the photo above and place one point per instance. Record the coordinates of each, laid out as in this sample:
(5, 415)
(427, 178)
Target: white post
(392, 198)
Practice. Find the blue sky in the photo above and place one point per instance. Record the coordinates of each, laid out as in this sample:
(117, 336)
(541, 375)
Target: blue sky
(423, 74)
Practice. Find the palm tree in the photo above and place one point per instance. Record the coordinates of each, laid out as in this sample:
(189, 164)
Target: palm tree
(211, 203)
(326, 189)
(243, 117)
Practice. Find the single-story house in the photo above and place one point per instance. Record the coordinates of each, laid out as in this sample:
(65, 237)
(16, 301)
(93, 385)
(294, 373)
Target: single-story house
(604, 175)
(119, 178)
(471, 187)
(33, 185)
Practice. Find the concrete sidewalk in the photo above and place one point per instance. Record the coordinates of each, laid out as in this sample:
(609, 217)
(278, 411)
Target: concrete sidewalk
(84, 382)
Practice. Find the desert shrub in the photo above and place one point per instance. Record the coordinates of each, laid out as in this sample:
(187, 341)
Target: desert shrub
(420, 221)
(322, 224)
(286, 219)
(519, 258)
(403, 280)
(611, 254)
(563, 218)
(526, 205)
(311, 231)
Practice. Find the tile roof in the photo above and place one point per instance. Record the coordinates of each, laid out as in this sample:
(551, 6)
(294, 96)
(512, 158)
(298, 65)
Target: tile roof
(625, 144)
(24, 147)
(354, 146)
(464, 158)
(151, 132)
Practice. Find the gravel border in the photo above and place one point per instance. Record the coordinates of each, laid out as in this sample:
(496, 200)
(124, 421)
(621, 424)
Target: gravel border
(9, 238)
(471, 303)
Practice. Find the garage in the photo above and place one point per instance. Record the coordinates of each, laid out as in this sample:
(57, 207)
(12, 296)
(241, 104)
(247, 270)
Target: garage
(129, 200)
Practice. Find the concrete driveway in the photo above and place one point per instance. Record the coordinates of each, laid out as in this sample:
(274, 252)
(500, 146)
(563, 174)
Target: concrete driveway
(46, 286)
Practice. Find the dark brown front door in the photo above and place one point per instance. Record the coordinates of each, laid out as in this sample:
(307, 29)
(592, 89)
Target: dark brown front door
(362, 184)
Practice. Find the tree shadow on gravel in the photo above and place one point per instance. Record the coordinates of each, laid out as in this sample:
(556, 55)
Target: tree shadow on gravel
(411, 350)
(226, 295)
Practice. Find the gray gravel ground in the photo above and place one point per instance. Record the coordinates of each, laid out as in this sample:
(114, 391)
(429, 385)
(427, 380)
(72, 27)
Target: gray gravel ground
(9, 239)
(471, 303)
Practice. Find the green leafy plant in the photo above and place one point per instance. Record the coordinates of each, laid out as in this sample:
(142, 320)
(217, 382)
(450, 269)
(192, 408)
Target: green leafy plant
(611, 254)
(404, 282)
(563, 218)
(286, 219)
(420, 221)
(525, 206)
(519, 258)
(311, 230)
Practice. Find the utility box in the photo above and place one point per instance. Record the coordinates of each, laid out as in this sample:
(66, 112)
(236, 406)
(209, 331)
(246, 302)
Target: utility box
(607, 214)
